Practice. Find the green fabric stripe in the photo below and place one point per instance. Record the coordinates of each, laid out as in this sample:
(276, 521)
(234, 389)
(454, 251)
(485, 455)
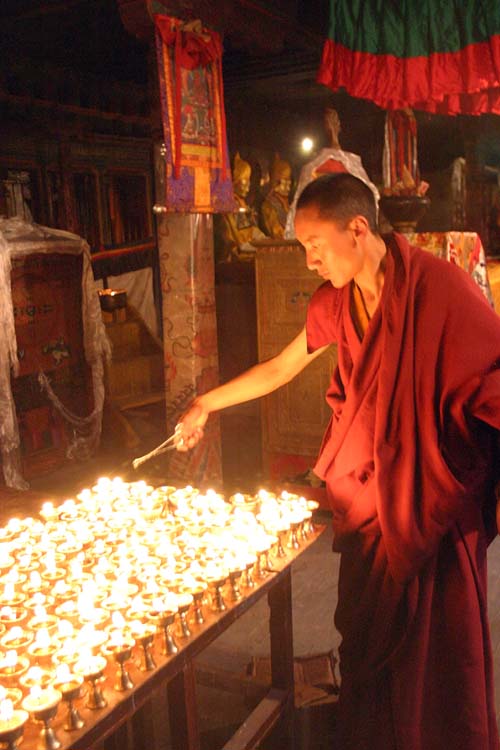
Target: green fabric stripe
(409, 28)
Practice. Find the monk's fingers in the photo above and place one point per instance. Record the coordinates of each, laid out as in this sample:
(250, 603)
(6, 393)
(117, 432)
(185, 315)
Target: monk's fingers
(187, 441)
(195, 437)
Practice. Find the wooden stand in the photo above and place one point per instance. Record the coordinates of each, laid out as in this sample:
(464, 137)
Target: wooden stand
(174, 681)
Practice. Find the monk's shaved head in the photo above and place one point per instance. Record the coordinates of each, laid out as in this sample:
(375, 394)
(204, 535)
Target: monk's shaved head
(340, 197)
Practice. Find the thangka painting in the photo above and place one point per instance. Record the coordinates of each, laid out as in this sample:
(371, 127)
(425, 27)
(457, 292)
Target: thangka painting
(198, 176)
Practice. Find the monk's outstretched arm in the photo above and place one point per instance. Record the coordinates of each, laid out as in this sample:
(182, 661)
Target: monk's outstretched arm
(259, 380)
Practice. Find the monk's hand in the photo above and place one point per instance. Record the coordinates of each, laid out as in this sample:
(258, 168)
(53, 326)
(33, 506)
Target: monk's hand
(189, 429)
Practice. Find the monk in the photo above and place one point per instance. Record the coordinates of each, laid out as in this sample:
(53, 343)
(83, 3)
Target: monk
(410, 460)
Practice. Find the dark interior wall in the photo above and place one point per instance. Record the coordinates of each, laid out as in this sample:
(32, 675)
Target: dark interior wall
(488, 140)
(440, 141)
(85, 37)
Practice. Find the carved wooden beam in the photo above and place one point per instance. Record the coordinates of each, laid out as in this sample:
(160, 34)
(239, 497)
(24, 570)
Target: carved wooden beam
(250, 25)
(136, 18)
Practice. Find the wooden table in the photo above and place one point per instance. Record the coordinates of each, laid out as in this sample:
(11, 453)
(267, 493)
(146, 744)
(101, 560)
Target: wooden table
(105, 727)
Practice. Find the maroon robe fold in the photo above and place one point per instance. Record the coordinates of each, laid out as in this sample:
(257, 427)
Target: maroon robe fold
(410, 460)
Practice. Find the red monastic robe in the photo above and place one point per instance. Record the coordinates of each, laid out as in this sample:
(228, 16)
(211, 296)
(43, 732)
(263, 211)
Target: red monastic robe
(410, 460)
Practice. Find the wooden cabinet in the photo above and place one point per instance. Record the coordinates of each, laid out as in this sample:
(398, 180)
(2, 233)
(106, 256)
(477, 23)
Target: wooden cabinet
(46, 296)
(294, 417)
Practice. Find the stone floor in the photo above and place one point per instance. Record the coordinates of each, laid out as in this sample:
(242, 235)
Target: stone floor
(313, 579)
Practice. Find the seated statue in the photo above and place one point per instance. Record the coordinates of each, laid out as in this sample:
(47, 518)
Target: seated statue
(235, 232)
(330, 159)
(275, 207)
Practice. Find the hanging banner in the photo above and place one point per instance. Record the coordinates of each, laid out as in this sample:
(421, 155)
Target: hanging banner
(198, 177)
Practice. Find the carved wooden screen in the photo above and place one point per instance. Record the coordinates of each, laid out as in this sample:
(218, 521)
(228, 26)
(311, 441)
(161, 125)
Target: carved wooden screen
(294, 417)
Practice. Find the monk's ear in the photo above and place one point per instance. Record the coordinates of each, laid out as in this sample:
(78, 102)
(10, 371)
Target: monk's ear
(359, 225)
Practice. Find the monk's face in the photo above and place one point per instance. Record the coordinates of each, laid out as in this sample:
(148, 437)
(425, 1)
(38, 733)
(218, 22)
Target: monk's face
(331, 248)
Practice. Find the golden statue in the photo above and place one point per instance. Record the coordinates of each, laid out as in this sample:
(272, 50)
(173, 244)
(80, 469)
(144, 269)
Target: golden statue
(237, 231)
(275, 207)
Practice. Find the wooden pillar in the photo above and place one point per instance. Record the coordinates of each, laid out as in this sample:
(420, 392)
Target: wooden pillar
(185, 245)
(189, 325)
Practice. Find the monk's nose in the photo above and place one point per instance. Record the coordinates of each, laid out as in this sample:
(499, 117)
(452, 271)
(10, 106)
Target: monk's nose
(312, 260)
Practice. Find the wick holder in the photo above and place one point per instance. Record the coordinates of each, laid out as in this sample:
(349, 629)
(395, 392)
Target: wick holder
(280, 550)
(11, 737)
(44, 716)
(183, 613)
(262, 567)
(165, 620)
(121, 654)
(217, 598)
(234, 580)
(293, 542)
(198, 606)
(249, 582)
(147, 662)
(9, 676)
(304, 529)
(308, 528)
(70, 692)
(95, 697)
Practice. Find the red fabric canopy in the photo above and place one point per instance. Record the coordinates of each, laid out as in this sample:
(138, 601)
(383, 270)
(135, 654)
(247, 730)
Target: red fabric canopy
(442, 57)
